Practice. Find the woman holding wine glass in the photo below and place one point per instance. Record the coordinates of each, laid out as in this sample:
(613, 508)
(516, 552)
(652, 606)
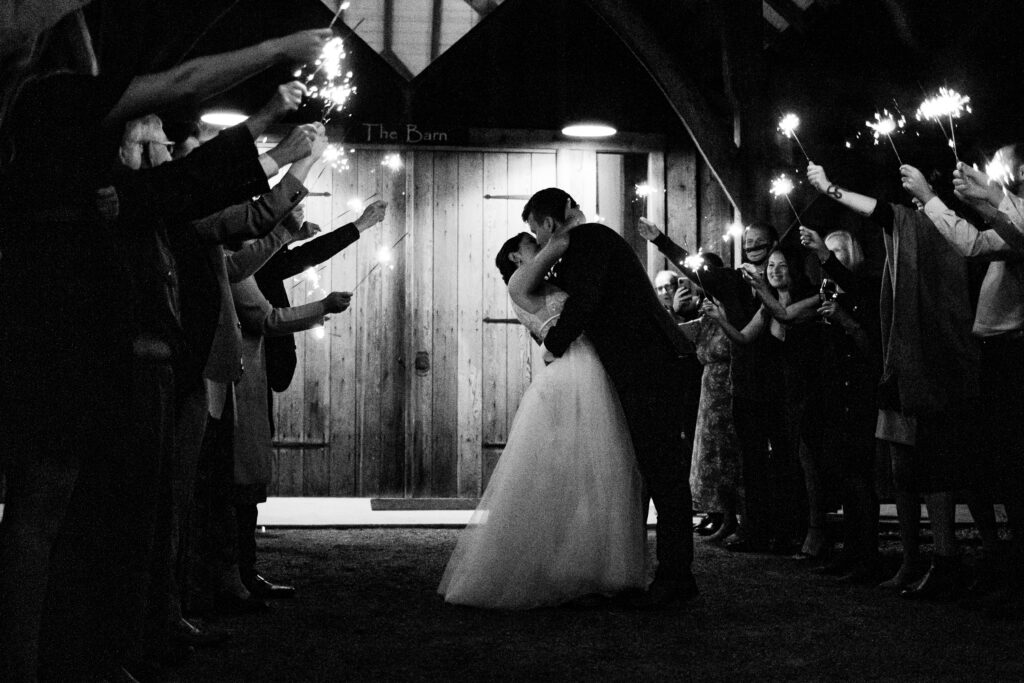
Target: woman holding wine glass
(840, 421)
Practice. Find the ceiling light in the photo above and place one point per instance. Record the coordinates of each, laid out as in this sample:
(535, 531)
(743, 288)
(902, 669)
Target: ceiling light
(589, 130)
(223, 119)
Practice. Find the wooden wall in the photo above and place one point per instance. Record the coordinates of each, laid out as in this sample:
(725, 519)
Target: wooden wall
(411, 392)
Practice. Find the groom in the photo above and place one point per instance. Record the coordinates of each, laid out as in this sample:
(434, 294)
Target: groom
(611, 299)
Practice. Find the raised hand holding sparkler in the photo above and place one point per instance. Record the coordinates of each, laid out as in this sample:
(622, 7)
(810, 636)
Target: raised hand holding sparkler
(787, 126)
(915, 183)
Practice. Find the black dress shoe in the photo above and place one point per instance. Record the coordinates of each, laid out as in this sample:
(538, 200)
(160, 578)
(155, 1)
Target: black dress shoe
(664, 594)
(191, 634)
(262, 588)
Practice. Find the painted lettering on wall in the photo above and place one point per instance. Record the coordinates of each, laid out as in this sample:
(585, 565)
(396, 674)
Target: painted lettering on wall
(410, 133)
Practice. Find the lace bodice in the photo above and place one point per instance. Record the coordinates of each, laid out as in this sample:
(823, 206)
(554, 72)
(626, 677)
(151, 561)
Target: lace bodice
(540, 322)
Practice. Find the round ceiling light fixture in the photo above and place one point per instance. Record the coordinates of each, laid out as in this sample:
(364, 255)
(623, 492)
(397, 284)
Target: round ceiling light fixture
(590, 129)
(223, 119)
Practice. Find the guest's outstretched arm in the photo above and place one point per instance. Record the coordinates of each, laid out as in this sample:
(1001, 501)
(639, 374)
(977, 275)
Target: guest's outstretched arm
(751, 331)
(858, 203)
(805, 309)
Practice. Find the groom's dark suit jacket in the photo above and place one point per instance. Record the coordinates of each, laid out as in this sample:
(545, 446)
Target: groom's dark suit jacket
(612, 300)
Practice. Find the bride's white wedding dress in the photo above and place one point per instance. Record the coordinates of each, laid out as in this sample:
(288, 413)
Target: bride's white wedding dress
(561, 516)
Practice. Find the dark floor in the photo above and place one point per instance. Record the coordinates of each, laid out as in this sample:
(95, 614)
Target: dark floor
(367, 610)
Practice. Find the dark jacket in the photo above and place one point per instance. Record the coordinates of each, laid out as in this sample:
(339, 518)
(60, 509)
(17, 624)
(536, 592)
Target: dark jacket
(611, 299)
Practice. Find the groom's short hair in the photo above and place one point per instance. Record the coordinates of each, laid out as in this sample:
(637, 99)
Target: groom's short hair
(548, 203)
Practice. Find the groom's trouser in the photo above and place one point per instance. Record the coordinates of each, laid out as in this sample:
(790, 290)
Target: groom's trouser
(655, 414)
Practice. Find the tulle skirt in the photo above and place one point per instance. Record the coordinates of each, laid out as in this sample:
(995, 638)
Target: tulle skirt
(561, 516)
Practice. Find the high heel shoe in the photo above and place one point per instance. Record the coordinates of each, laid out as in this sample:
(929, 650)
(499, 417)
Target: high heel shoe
(701, 528)
(725, 529)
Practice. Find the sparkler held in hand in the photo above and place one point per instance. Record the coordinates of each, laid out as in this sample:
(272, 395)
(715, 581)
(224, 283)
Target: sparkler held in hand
(385, 255)
(781, 187)
(787, 126)
(947, 104)
(886, 124)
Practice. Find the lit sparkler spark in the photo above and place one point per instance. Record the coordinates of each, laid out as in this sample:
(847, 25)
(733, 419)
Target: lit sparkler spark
(318, 332)
(355, 204)
(644, 190)
(385, 255)
(328, 80)
(392, 161)
(694, 261)
(734, 231)
(947, 104)
(999, 170)
(787, 126)
(336, 157)
(886, 124)
(781, 187)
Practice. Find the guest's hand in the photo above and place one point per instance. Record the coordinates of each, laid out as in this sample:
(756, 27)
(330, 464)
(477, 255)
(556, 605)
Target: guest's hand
(817, 178)
(753, 276)
(297, 144)
(305, 231)
(810, 239)
(648, 229)
(298, 216)
(288, 97)
(713, 310)
(372, 215)
(336, 302)
(915, 183)
(974, 186)
(302, 46)
(319, 144)
(549, 357)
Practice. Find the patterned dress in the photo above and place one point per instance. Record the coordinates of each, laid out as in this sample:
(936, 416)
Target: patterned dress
(716, 469)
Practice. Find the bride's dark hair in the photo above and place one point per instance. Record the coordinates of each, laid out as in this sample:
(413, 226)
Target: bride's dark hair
(502, 260)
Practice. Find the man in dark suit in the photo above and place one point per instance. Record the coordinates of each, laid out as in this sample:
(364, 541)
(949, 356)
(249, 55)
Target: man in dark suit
(281, 361)
(611, 299)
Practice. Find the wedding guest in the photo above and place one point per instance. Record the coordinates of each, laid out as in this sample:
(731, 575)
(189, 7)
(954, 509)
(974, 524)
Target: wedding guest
(62, 340)
(999, 328)
(281, 362)
(750, 367)
(842, 409)
(929, 374)
(715, 472)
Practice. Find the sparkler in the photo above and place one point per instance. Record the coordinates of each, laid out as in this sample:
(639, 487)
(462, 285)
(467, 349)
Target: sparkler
(356, 205)
(999, 170)
(385, 255)
(695, 262)
(734, 231)
(886, 124)
(788, 125)
(643, 191)
(392, 161)
(781, 187)
(949, 104)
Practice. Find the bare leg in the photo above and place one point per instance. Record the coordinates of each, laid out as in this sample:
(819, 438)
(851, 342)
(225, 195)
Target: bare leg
(908, 513)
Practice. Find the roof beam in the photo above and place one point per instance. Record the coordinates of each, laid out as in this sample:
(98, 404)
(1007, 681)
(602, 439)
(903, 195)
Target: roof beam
(435, 29)
(790, 12)
(710, 136)
(483, 7)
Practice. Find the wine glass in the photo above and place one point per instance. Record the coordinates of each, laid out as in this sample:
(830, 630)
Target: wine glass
(829, 291)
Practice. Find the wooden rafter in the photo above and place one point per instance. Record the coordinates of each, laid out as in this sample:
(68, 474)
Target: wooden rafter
(483, 7)
(435, 28)
(790, 12)
(710, 136)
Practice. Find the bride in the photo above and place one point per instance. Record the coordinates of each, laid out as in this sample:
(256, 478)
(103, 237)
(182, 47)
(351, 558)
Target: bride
(561, 516)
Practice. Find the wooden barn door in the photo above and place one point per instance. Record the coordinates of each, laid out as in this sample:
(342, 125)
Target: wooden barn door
(472, 362)
(411, 392)
(341, 423)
